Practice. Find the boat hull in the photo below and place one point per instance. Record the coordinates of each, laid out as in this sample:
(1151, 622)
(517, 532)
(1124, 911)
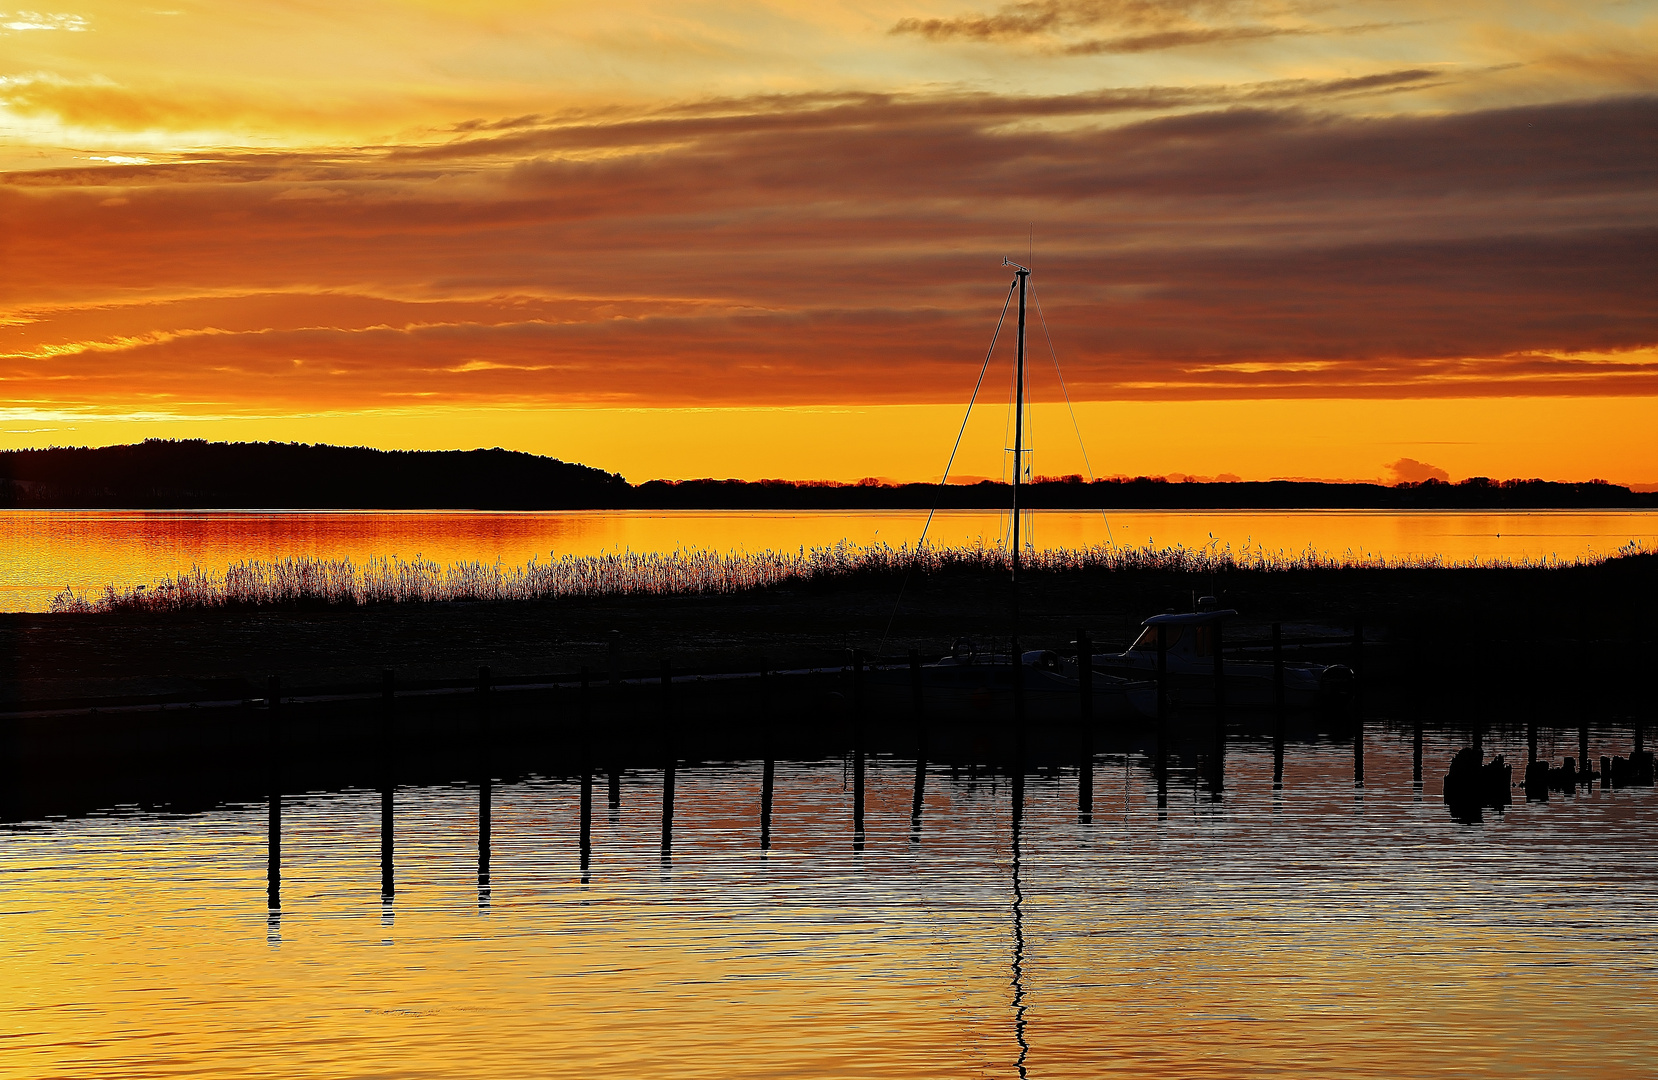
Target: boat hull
(1247, 685)
(985, 692)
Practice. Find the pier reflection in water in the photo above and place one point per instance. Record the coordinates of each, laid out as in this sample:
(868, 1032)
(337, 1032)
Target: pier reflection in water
(1271, 925)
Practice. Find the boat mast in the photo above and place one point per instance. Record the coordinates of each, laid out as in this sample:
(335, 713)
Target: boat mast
(1018, 444)
(1019, 424)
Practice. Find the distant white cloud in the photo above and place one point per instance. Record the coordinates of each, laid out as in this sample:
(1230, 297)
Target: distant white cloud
(18, 21)
(121, 159)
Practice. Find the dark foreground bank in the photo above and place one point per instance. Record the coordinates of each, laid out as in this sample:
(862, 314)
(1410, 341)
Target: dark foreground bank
(189, 708)
(1568, 635)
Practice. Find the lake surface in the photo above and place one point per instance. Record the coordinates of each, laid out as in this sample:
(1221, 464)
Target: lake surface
(43, 551)
(1321, 930)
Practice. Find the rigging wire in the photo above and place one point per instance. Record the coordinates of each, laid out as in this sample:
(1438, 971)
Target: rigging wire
(1043, 319)
(948, 465)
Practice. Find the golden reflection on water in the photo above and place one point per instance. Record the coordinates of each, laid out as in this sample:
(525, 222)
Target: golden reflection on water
(1322, 930)
(42, 551)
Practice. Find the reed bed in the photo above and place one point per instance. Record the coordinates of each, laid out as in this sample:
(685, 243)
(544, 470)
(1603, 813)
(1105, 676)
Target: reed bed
(313, 582)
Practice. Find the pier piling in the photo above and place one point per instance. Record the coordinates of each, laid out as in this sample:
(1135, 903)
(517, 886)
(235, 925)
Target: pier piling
(768, 781)
(670, 760)
(1162, 759)
(484, 798)
(1217, 776)
(857, 749)
(1416, 752)
(484, 795)
(858, 797)
(388, 780)
(918, 703)
(273, 821)
(388, 885)
(1085, 728)
(586, 819)
(1358, 751)
(1278, 706)
(919, 797)
(482, 718)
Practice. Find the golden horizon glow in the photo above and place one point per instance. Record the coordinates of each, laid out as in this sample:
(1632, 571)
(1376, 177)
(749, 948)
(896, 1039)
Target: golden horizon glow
(1339, 440)
(379, 218)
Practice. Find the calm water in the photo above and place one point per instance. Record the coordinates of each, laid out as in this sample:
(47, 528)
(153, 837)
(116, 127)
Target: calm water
(1317, 931)
(42, 551)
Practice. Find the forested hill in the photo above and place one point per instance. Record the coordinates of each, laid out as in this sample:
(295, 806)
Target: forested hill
(158, 474)
(197, 474)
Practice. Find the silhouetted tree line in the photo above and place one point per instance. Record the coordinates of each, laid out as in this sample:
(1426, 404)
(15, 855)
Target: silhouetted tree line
(193, 473)
(1141, 493)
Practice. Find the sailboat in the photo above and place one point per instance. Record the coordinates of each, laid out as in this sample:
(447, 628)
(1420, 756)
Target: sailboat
(1035, 685)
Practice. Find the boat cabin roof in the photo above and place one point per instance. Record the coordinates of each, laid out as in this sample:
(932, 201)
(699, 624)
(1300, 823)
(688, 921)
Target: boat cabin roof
(1187, 618)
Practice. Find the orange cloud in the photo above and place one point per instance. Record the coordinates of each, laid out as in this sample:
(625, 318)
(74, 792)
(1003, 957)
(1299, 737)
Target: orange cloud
(842, 248)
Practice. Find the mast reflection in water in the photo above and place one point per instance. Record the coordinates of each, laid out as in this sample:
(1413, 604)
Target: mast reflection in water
(1266, 930)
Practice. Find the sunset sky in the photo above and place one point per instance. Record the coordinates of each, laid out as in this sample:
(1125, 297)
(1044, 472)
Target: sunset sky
(1317, 239)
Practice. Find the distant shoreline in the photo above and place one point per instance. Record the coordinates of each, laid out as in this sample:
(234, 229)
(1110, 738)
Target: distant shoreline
(201, 476)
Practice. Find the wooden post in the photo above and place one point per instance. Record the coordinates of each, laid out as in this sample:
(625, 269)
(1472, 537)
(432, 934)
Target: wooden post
(919, 798)
(1218, 781)
(768, 782)
(586, 818)
(388, 735)
(670, 759)
(1358, 751)
(858, 749)
(1531, 734)
(1162, 706)
(484, 770)
(1416, 752)
(919, 703)
(483, 718)
(1583, 741)
(273, 824)
(388, 713)
(1085, 728)
(387, 810)
(858, 796)
(1358, 670)
(483, 839)
(1278, 696)
(1278, 705)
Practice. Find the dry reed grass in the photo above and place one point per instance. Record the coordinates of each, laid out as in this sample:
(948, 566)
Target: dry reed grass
(306, 581)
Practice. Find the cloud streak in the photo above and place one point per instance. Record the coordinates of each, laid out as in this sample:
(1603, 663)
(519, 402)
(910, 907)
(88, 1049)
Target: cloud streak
(1139, 26)
(1203, 242)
